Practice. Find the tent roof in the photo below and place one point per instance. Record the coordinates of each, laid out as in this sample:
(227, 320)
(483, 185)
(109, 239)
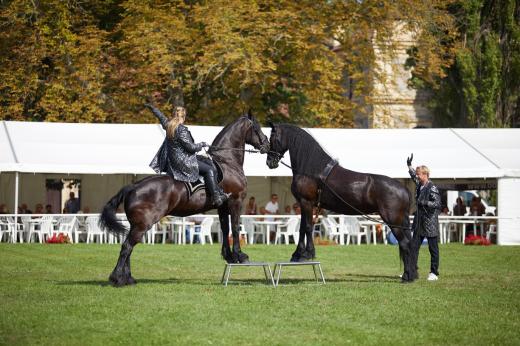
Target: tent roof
(128, 148)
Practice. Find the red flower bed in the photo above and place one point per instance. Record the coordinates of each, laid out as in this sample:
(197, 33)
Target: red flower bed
(476, 240)
(58, 239)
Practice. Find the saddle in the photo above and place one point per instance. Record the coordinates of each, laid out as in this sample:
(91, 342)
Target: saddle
(193, 187)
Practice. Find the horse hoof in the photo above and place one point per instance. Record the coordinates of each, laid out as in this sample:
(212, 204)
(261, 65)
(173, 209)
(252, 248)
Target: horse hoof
(243, 258)
(131, 281)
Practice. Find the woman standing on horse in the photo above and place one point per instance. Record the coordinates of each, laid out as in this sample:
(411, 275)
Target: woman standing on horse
(177, 155)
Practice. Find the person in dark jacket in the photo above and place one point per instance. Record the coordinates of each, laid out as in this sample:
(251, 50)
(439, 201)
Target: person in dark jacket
(177, 155)
(426, 218)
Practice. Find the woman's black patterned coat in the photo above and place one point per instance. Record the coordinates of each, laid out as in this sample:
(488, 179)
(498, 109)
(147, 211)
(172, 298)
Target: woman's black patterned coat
(426, 218)
(177, 156)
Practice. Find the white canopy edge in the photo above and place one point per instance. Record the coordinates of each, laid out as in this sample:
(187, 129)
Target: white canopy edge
(81, 148)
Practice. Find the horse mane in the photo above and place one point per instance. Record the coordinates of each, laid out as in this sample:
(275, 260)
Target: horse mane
(307, 155)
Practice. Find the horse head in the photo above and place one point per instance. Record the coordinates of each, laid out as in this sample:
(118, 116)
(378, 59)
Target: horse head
(255, 136)
(277, 150)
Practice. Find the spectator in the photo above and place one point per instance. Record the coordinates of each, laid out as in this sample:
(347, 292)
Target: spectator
(72, 205)
(3, 209)
(476, 207)
(48, 209)
(86, 210)
(23, 209)
(288, 210)
(272, 206)
(426, 221)
(38, 208)
(251, 207)
(296, 209)
(459, 209)
(445, 211)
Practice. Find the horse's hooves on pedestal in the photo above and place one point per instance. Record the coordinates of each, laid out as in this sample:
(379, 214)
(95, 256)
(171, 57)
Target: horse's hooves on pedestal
(243, 258)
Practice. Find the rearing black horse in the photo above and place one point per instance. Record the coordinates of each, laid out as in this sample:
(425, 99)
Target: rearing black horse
(151, 198)
(318, 178)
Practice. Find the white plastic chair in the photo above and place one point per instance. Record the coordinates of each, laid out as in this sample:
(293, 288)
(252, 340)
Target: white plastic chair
(42, 230)
(67, 225)
(4, 230)
(492, 230)
(248, 228)
(203, 231)
(354, 229)
(15, 229)
(333, 231)
(93, 230)
(288, 229)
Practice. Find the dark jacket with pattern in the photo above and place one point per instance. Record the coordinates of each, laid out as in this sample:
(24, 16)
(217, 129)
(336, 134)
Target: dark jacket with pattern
(177, 155)
(426, 218)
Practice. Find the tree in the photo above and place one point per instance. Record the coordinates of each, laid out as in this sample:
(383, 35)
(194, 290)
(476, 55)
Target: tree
(307, 62)
(482, 87)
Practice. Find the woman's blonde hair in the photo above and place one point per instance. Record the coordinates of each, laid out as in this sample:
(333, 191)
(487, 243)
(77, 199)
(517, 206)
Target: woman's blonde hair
(179, 113)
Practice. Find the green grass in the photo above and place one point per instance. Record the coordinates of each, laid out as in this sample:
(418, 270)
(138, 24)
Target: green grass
(58, 294)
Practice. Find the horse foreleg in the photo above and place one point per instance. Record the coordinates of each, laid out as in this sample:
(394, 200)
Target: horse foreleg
(407, 254)
(121, 274)
(305, 249)
(223, 215)
(234, 208)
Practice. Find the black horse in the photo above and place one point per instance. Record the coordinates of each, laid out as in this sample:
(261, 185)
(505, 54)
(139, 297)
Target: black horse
(151, 198)
(318, 179)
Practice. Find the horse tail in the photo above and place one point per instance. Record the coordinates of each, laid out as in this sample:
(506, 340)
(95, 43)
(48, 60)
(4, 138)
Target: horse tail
(108, 219)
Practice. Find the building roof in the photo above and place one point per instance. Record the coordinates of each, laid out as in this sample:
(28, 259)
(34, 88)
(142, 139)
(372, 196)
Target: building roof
(36, 147)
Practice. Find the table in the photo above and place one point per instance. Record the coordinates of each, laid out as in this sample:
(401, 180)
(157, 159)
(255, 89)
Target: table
(265, 225)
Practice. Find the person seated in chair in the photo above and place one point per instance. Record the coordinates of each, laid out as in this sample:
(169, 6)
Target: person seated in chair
(177, 155)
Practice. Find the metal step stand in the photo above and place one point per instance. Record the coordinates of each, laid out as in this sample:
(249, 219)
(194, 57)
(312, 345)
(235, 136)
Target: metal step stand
(314, 264)
(267, 271)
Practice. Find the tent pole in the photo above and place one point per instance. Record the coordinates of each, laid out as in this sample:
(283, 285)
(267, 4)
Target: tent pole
(15, 229)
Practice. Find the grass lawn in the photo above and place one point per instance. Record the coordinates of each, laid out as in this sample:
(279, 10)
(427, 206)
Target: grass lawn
(58, 294)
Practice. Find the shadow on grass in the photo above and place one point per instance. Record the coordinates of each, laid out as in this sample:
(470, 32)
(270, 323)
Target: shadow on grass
(145, 281)
(240, 282)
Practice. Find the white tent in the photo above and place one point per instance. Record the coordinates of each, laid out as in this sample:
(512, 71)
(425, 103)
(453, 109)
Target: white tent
(35, 147)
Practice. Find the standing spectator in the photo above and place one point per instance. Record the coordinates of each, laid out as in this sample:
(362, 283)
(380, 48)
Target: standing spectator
(72, 205)
(459, 209)
(426, 217)
(251, 207)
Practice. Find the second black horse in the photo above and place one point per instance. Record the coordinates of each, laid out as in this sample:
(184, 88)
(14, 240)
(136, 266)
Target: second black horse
(317, 178)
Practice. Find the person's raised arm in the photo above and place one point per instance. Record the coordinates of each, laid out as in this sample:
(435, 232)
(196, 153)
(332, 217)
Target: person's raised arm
(158, 114)
(411, 171)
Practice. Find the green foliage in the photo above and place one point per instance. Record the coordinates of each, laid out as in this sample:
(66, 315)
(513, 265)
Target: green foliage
(309, 62)
(58, 295)
(482, 87)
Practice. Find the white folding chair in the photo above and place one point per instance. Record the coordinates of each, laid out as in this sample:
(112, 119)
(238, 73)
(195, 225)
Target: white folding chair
(93, 230)
(42, 229)
(353, 228)
(203, 231)
(67, 226)
(333, 231)
(287, 230)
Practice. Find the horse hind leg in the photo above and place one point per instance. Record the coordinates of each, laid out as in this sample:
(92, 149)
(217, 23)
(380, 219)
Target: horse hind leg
(121, 275)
